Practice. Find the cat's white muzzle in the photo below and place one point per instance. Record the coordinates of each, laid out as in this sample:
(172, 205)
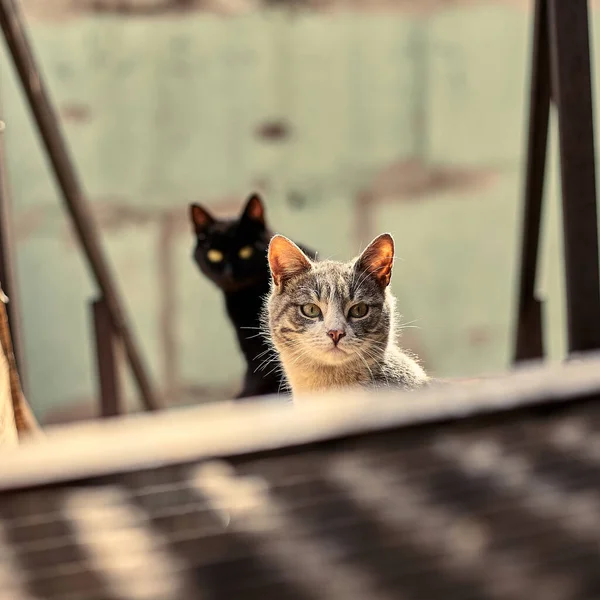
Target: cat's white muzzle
(335, 355)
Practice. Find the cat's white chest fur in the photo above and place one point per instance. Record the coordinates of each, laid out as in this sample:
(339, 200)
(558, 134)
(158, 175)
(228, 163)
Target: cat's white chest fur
(310, 377)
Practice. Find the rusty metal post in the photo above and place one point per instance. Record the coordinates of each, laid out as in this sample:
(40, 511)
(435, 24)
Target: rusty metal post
(561, 72)
(106, 360)
(529, 342)
(572, 93)
(67, 179)
(8, 278)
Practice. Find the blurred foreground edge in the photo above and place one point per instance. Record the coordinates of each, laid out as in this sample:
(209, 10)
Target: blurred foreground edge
(16, 419)
(224, 429)
(482, 489)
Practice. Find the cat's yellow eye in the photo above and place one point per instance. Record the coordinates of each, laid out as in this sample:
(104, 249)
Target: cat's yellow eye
(214, 256)
(312, 311)
(358, 311)
(246, 252)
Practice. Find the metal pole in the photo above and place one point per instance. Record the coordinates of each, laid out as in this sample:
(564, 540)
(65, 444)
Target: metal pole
(64, 171)
(529, 342)
(572, 93)
(106, 361)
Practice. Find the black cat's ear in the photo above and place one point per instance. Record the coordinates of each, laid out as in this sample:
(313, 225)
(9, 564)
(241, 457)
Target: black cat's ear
(200, 218)
(378, 258)
(286, 260)
(254, 210)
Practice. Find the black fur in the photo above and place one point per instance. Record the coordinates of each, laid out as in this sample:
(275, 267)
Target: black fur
(244, 282)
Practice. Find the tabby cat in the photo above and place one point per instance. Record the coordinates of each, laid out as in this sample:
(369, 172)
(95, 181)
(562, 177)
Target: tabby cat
(333, 323)
(232, 253)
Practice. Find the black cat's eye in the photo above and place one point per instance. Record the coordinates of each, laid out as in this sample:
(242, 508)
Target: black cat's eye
(246, 252)
(312, 311)
(214, 256)
(358, 311)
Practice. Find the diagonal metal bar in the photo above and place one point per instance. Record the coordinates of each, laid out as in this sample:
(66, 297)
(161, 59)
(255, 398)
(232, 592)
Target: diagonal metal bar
(64, 171)
(106, 360)
(529, 342)
(572, 93)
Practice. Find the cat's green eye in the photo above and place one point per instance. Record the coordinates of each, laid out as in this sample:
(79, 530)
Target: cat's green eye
(246, 252)
(312, 311)
(358, 311)
(214, 256)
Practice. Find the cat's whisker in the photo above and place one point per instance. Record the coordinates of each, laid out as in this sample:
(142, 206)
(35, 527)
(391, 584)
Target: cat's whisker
(272, 355)
(265, 363)
(270, 359)
(371, 356)
(366, 364)
(378, 343)
(274, 370)
(409, 322)
(278, 368)
(260, 354)
(253, 337)
(298, 355)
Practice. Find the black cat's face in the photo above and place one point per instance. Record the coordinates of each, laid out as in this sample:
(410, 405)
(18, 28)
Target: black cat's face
(232, 253)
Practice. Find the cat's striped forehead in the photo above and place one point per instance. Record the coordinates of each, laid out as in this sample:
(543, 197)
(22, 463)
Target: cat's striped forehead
(329, 281)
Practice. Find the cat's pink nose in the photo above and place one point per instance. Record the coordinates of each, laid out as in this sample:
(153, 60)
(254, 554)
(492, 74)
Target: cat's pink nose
(336, 335)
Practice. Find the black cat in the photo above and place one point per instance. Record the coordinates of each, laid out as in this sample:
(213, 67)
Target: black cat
(232, 253)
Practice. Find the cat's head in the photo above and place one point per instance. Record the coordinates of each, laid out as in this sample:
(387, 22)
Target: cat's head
(329, 312)
(232, 252)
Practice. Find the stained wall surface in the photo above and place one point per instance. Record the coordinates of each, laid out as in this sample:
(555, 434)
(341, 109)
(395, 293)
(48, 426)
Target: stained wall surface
(352, 118)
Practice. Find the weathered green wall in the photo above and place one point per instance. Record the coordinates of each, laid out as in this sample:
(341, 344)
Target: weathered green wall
(408, 123)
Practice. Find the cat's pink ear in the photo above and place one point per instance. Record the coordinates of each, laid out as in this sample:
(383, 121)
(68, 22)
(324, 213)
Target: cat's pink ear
(286, 260)
(254, 209)
(378, 259)
(200, 218)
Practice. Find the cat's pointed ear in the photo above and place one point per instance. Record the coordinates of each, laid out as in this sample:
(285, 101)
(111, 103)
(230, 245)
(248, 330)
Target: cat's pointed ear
(378, 258)
(286, 260)
(200, 218)
(254, 209)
